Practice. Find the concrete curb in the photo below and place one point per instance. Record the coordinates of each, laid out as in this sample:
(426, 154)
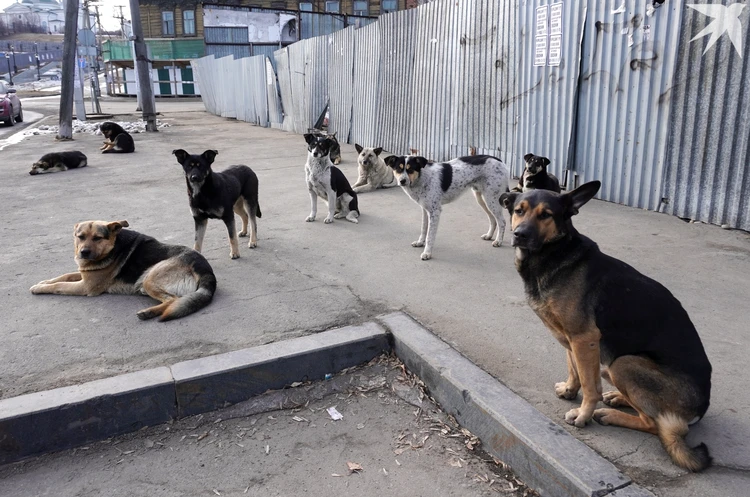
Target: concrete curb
(540, 452)
(66, 417)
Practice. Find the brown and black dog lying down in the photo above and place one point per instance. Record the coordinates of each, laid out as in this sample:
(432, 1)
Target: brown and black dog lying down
(605, 312)
(113, 260)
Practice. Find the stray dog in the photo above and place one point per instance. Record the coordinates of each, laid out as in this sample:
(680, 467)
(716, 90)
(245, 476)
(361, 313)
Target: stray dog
(326, 181)
(117, 139)
(605, 312)
(219, 195)
(535, 175)
(373, 173)
(433, 184)
(58, 161)
(113, 260)
(335, 149)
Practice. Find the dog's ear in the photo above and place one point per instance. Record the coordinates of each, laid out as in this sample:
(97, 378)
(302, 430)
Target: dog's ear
(392, 161)
(575, 199)
(75, 228)
(181, 155)
(545, 161)
(528, 157)
(358, 147)
(116, 226)
(333, 135)
(378, 150)
(418, 162)
(508, 200)
(309, 138)
(210, 155)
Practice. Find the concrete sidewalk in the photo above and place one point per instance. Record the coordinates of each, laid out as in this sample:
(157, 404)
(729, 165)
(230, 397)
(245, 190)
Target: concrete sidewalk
(305, 277)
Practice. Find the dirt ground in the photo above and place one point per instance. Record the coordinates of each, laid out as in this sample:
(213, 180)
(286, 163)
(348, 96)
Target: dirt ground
(392, 440)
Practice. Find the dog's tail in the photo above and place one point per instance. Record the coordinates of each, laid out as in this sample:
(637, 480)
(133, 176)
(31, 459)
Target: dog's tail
(192, 302)
(672, 430)
(257, 210)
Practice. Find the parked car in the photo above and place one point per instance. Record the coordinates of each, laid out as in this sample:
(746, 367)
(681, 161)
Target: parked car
(10, 105)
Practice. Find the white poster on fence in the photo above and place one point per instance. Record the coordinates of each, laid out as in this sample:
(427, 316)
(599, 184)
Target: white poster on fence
(540, 38)
(554, 53)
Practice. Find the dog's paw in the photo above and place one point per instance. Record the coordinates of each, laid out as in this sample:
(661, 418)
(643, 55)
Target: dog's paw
(310, 218)
(487, 236)
(37, 289)
(577, 417)
(601, 416)
(146, 314)
(252, 244)
(426, 256)
(418, 243)
(338, 215)
(563, 391)
(234, 255)
(242, 233)
(328, 220)
(614, 399)
(497, 243)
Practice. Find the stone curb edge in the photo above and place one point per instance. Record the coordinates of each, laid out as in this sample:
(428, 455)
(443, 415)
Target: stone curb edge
(540, 452)
(63, 418)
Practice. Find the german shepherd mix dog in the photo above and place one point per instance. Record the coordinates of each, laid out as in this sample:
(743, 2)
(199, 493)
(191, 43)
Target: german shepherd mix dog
(326, 181)
(58, 161)
(373, 173)
(433, 184)
(535, 175)
(117, 139)
(219, 195)
(605, 312)
(113, 260)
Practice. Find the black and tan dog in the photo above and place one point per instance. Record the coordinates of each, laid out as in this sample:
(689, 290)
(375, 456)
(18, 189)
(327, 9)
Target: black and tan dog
(219, 195)
(117, 139)
(535, 175)
(113, 260)
(58, 161)
(605, 312)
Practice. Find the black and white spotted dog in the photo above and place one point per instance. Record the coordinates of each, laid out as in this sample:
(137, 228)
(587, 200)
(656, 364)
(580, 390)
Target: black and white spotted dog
(326, 181)
(433, 184)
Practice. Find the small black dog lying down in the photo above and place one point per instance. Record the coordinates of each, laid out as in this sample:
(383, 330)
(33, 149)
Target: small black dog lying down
(535, 175)
(117, 139)
(58, 161)
(219, 195)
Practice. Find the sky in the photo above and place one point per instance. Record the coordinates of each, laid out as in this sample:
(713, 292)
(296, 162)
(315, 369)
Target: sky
(106, 11)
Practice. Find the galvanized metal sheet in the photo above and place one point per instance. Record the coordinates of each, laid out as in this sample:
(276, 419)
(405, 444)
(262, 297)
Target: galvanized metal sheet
(545, 100)
(628, 63)
(396, 71)
(435, 42)
(366, 87)
(708, 155)
(273, 96)
(340, 82)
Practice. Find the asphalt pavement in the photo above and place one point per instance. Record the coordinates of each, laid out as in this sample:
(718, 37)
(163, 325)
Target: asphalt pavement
(307, 277)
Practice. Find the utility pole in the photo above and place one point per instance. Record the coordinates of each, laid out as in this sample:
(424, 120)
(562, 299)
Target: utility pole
(142, 68)
(68, 71)
(122, 20)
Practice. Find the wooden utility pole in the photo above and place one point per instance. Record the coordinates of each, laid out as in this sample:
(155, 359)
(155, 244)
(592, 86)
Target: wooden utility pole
(65, 131)
(141, 60)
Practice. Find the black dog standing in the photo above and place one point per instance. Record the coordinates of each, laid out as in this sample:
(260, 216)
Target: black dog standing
(219, 195)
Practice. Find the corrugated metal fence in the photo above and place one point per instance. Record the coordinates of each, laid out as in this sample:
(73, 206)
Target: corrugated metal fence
(639, 98)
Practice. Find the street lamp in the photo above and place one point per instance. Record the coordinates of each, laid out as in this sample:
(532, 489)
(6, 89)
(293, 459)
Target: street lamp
(10, 73)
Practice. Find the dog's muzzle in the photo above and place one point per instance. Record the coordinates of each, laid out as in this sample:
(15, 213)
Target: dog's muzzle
(84, 254)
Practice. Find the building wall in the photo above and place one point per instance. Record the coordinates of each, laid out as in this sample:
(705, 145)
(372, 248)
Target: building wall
(151, 11)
